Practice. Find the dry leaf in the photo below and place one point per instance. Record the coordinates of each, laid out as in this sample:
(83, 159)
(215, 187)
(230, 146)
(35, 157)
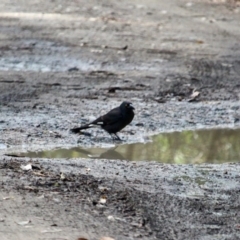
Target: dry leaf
(27, 167)
(62, 176)
(111, 218)
(195, 94)
(103, 200)
(7, 198)
(23, 223)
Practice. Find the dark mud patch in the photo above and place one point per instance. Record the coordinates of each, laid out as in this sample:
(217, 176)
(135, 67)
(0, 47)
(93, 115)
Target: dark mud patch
(60, 189)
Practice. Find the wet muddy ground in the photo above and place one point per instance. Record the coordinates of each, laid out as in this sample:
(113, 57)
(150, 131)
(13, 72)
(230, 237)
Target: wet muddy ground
(64, 63)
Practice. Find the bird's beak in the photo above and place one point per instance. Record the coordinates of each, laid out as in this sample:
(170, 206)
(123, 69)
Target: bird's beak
(131, 107)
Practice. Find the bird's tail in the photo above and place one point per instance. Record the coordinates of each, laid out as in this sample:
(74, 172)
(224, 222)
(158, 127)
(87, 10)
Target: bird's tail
(77, 130)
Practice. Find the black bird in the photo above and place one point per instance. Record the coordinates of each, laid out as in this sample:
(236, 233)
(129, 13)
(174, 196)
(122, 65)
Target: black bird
(112, 122)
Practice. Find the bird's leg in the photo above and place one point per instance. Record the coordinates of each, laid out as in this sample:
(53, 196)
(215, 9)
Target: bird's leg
(117, 137)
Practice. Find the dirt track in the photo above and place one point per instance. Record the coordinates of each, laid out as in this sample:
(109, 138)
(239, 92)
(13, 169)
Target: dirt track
(63, 63)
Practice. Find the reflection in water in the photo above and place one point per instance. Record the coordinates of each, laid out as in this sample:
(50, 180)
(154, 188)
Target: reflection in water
(211, 146)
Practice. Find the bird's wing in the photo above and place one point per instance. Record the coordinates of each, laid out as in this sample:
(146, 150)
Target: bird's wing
(110, 118)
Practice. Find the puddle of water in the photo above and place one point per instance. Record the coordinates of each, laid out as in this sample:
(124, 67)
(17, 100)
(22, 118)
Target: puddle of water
(202, 146)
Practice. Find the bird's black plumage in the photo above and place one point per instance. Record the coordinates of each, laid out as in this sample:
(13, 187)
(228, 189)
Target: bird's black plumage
(112, 122)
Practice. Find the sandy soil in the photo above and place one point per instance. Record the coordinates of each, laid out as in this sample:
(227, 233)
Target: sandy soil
(65, 62)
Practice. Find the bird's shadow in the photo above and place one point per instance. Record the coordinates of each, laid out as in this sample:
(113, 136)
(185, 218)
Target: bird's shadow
(108, 154)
